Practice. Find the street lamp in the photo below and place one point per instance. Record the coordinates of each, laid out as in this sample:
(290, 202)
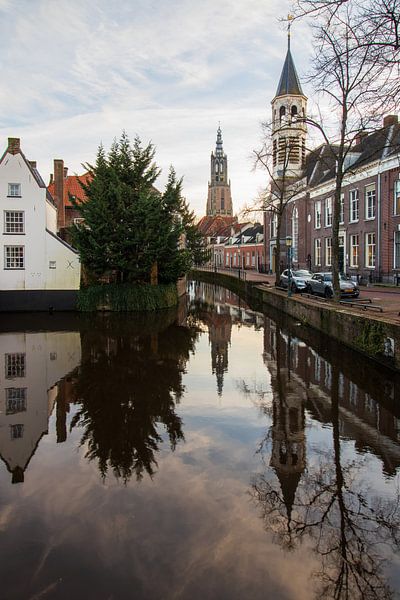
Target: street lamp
(289, 263)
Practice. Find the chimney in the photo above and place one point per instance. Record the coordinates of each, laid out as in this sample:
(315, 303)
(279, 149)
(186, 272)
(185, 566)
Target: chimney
(360, 136)
(390, 120)
(59, 192)
(13, 145)
(65, 172)
(33, 164)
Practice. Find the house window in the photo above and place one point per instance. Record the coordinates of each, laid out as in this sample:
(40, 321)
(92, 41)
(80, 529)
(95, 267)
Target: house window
(16, 431)
(397, 250)
(52, 264)
(354, 205)
(14, 257)
(341, 209)
(274, 225)
(295, 234)
(317, 254)
(14, 221)
(370, 202)
(15, 400)
(15, 365)
(227, 260)
(354, 250)
(14, 190)
(328, 212)
(328, 252)
(370, 250)
(397, 197)
(318, 214)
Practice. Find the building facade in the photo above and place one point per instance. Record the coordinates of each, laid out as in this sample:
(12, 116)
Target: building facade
(369, 234)
(40, 270)
(219, 200)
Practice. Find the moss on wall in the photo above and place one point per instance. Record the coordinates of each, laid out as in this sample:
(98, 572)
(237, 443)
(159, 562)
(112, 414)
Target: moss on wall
(371, 340)
(127, 297)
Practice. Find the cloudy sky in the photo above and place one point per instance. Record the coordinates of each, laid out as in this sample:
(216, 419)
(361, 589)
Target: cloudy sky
(76, 73)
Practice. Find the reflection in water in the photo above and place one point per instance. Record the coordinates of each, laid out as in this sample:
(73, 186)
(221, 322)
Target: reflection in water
(36, 369)
(325, 424)
(351, 531)
(128, 385)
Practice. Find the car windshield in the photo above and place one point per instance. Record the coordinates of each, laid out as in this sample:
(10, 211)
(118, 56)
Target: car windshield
(301, 273)
(327, 277)
(344, 277)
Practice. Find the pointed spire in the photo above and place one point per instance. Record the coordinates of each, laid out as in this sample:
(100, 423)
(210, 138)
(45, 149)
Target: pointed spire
(289, 82)
(219, 148)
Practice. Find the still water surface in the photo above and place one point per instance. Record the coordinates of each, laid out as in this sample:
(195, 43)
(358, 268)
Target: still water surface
(210, 452)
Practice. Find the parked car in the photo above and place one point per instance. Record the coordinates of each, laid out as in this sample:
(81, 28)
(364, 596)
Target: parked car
(321, 284)
(298, 279)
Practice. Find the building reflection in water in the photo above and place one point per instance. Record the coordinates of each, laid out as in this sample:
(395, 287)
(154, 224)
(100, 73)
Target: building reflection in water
(326, 503)
(37, 369)
(219, 309)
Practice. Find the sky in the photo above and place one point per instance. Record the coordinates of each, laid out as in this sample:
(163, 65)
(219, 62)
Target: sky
(77, 73)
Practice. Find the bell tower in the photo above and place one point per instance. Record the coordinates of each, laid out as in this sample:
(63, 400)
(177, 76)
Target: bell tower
(289, 129)
(219, 200)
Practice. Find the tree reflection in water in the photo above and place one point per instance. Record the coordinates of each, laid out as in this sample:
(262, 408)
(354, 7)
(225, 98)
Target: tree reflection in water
(128, 385)
(351, 532)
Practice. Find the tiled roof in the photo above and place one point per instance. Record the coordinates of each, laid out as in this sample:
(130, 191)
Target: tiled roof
(215, 226)
(72, 187)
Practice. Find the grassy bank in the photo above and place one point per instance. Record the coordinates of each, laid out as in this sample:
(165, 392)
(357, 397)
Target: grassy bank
(127, 297)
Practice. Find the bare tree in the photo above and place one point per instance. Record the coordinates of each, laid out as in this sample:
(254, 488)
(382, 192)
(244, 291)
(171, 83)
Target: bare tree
(282, 186)
(349, 531)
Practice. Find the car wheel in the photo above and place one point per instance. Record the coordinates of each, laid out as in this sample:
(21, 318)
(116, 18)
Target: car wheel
(294, 287)
(309, 289)
(328, 292)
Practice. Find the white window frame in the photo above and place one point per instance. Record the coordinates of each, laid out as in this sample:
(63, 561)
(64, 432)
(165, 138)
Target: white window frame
(15, 400)
(328, 212)
(354, 205)
(396, 197)
(396, 246)
(328, 252)
(370, 250)
(341, 210)
(15, 365)
(317, 214)
(14, 258)
(370, 202)
(14, 190)
(12, 221)
(317, 252)
(354, 256)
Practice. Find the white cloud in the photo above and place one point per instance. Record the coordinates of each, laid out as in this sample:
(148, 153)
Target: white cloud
(79, 72)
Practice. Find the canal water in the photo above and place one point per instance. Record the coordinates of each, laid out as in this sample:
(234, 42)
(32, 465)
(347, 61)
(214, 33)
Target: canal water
(206, 453)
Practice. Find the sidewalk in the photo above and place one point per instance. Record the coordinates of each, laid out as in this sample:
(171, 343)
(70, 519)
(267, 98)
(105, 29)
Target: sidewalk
(388, 298)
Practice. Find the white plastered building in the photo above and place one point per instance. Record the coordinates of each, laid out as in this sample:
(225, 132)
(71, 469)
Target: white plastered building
(39, 270)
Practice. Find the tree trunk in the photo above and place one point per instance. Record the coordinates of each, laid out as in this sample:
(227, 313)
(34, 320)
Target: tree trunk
(154, 274)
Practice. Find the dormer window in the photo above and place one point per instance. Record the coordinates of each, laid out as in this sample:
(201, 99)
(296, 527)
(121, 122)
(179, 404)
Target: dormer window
(14, 190)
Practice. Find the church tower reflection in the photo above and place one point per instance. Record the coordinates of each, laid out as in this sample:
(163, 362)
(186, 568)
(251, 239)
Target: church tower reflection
(288, 454)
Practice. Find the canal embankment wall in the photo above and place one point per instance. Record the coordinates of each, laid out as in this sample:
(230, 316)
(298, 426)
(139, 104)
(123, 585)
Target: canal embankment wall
(371, 334)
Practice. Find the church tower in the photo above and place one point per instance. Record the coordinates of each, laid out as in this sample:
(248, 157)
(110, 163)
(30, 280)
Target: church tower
(289, 130)
(219, 201)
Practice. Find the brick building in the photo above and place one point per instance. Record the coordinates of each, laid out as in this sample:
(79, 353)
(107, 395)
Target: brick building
(369, 232)
(62, 187)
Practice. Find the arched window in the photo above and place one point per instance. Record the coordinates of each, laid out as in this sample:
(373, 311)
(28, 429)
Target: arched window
(282, 112)
(295, 235)
(294, 110)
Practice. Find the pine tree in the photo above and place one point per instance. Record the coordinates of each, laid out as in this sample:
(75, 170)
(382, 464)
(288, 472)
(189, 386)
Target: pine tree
(129, 227)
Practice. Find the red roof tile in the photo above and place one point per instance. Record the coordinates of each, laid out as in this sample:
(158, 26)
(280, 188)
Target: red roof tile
(72, 187)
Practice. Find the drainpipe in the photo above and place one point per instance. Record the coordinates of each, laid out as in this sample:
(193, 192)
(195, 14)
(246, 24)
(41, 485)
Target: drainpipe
(378, 245)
